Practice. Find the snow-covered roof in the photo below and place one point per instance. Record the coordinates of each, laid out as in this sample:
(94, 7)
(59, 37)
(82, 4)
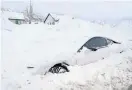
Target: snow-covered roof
(49, 15)
(15, 15)
(54, 16)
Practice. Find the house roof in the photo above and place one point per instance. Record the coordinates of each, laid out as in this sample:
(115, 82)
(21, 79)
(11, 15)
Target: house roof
(15, 15)
(16, 19)
(50, 16)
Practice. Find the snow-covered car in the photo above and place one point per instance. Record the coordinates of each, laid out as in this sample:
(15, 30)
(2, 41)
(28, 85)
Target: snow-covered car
(94, 47)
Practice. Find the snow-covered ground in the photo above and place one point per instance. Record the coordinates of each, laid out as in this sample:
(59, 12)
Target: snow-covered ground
(39, 45)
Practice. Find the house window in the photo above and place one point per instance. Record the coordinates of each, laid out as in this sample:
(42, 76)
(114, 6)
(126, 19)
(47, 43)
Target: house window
(53, 23)
(17, 22)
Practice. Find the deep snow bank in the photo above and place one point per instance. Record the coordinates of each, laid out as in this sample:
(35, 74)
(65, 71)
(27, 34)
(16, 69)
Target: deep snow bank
(40, 44)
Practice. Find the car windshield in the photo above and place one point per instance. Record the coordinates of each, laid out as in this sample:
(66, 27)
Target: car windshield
(96, 42)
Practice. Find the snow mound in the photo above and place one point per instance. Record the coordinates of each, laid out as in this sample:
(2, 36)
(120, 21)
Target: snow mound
(39, 45)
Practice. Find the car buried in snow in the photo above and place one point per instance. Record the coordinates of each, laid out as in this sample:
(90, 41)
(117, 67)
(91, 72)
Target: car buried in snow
(96, 48)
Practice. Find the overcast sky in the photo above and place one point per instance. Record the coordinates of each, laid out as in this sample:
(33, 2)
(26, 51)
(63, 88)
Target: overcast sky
(83, 9)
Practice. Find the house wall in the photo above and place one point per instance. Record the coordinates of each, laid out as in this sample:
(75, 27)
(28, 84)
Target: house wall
(22, 22)
(17, 21)
(50, 21)
(13, 21)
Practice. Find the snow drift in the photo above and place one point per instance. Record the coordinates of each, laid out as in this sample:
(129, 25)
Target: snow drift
(39, 45)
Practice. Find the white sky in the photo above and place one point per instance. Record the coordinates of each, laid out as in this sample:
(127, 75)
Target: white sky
(84, 9)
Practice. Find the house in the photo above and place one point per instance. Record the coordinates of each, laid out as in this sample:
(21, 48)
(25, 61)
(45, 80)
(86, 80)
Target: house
(17, 21)
(17, 18)
(50, 20)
